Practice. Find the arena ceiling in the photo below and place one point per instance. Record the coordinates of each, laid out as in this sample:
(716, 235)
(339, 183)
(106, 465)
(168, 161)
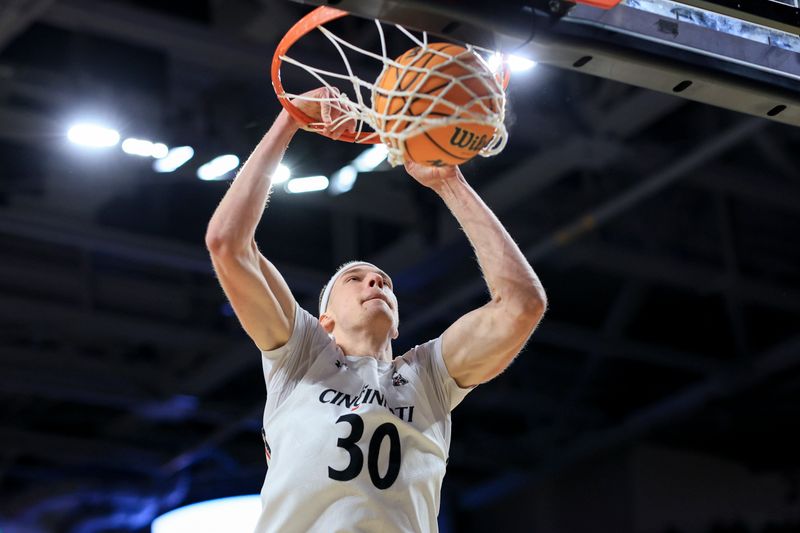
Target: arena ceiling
(665, 232)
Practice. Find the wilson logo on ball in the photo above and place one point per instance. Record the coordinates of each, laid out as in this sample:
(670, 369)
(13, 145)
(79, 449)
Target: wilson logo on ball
(467, 139)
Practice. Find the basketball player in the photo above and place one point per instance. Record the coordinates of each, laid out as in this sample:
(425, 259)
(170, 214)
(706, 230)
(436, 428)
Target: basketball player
(357, 441)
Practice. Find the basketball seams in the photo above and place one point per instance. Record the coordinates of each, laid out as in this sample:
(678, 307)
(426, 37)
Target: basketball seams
(449, 85)
(406, 106)
(430, 57)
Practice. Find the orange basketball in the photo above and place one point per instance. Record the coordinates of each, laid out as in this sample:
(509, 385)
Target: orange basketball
(444, 145)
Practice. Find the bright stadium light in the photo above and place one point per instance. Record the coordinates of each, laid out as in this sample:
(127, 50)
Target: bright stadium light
(520, 64)
(159, 150)
(371, 158)
(218, 167)
(239, 513)
(343, 180)
(308, 184)
(93, 135)
(173, 159)
(281, 174)
(144, 148)
(515, 63)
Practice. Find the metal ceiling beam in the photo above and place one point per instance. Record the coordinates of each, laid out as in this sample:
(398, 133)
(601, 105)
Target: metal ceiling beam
(135, 505)
(668, 271)
(733, 304)
(731, 180)
(25, 126)
(735, 378)
(186, 41)
(110, 327)
(104, 327)
(771, 147)
(66, 377)
(140, 249)
(88, 288)
(584, 340)
(17, 15)
(78, 451)
(628, 301)
(70, 367)
(594, 218)
(731, 380)
(575, 152)
(189, 456)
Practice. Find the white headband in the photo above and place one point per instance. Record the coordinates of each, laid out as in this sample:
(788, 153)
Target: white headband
(326, 294)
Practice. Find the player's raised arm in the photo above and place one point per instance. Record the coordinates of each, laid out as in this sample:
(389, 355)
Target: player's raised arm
(482, 343)
(258, 293)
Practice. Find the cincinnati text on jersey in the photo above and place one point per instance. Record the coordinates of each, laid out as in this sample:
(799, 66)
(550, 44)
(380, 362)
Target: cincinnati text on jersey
(365, 396)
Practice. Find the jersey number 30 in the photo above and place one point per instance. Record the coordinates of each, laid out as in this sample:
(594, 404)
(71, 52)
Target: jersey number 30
(350, 445)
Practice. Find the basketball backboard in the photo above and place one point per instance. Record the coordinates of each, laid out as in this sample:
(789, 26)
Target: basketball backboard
(736, 54)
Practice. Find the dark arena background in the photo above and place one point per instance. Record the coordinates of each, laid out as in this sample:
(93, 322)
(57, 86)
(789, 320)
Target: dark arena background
(661, 393)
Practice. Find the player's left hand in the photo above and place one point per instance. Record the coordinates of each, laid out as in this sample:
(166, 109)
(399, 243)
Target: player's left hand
(321, 105)
(432, 177)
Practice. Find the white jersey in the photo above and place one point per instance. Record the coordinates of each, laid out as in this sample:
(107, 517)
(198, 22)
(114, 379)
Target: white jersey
(353, 444)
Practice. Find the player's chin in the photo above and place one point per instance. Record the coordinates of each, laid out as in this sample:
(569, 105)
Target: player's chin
(376, 303)
(378, 307)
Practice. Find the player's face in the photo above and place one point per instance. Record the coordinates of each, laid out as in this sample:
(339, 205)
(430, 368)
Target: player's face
(364, 293)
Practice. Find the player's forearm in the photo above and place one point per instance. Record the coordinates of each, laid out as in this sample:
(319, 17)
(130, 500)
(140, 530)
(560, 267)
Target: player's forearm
(508, 274)
(234, 222)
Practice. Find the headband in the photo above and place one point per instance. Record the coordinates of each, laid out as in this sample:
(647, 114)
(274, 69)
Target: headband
(326, 294)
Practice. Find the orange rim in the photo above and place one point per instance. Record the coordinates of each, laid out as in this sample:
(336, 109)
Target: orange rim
(304, 26)
(602, 4)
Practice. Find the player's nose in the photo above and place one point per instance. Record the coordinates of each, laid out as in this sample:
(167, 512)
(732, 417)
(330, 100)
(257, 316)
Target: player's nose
(375, 279)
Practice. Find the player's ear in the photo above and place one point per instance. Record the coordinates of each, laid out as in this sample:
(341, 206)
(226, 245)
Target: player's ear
(327, 322)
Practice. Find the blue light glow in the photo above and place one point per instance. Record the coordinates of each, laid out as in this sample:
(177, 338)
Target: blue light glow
(237, 513)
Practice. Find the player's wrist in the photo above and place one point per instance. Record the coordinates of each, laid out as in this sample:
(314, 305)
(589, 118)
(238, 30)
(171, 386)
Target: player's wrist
(449, 182)
(286, 123)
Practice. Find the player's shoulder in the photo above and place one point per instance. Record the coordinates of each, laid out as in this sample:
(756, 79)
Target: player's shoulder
(419, 355)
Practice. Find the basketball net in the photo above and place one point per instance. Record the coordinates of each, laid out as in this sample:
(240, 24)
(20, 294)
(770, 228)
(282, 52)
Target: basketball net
(347, 98)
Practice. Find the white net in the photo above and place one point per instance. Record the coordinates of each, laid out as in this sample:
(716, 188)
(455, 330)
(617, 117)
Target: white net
(406, 110)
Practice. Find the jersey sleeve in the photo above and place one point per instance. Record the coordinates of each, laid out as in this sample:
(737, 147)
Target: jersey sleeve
(429, 362)
(285, 366)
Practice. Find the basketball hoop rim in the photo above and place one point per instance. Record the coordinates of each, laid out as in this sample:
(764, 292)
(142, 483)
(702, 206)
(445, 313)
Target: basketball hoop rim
(304, 26)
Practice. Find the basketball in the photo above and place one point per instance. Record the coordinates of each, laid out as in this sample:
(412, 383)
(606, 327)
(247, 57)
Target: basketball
(458, 82)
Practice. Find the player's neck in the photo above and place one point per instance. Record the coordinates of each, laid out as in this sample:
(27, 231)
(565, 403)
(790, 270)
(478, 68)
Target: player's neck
(365, 343)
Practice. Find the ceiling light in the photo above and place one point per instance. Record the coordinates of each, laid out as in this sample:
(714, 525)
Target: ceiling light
(281, 174)
(140, 147)
(343, 179)
(218, 167)
(159, 150)
(371, 158)
(174, 158)
(309, 184)
(515, 63)
(93, 135)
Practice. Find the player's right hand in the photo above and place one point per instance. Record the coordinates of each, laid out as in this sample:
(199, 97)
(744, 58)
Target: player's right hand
(322, 104)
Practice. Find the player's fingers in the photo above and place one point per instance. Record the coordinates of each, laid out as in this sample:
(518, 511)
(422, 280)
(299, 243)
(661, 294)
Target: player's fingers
(333, 133)
(349, 125)
(325, 112)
